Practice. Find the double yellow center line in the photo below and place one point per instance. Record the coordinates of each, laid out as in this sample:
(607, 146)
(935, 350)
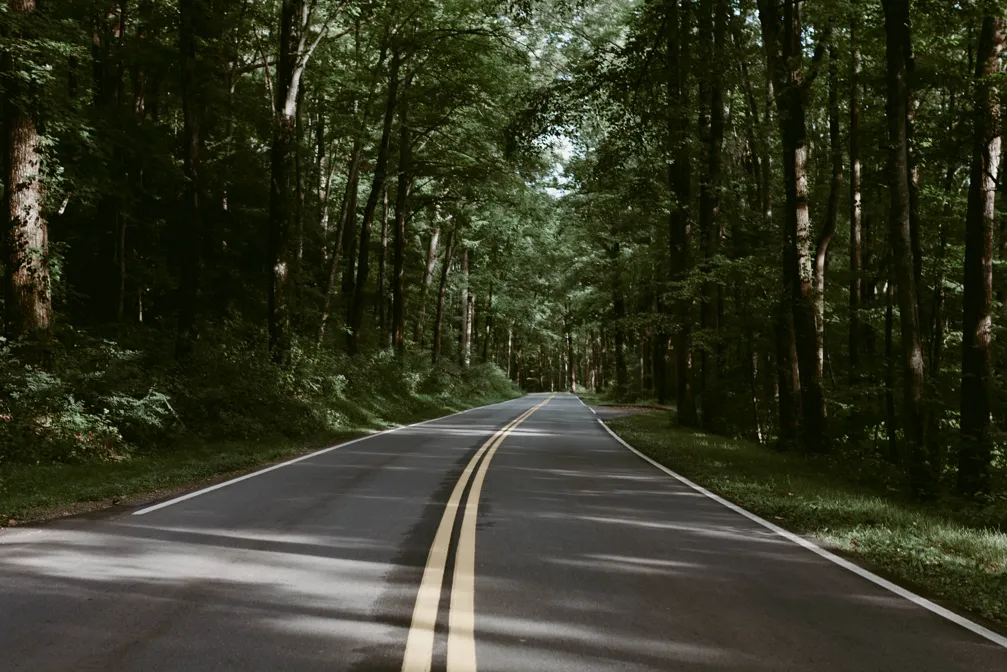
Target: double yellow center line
(461, 612)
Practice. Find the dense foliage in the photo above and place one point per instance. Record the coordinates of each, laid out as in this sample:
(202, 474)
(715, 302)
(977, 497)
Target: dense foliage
(782, 215)
(223, 214)
(779, 215)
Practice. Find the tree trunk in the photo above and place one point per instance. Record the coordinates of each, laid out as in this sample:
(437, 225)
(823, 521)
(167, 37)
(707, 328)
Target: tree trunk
(784, 45)
(829, 230)
(428, 278)
(571, 366)
(787, 373)
(856, 206)
(282, 192)
(619, 315)
(358, 302)
(465, 351)
(345, 238)
(449, 250)
(680, 179)
(28, 282)
(405, 179)
(711, 224)
(976, 452)
(192, 31)
(382, 265)
(510, 351)
(345, 220)
(488, 329)
(891, 425)
(921, 473)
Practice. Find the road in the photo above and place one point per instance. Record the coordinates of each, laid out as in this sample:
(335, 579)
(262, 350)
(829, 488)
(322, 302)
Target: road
(559, 550)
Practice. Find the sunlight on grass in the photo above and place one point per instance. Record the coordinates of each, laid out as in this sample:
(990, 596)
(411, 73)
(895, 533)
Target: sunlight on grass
(948, 549)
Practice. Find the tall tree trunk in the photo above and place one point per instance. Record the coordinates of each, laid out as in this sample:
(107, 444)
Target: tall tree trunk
(680, 179)
(465, 351)
(619, 316)
(282, 192)
(358, 305)
(510, 351)
(192, 32)
(405, 180)
(28, 281)
(856, 205)
(449, 251)
(428, 278)
(783, 39)
(349, 198)
(936, 349)
(787, 373)
(891, 424)
(921, 473)
(660, 357)
(829, 230)
(382, 264)
(571, 380)
(976, 451)
(711, 224)
(488, 329)
(345, 238)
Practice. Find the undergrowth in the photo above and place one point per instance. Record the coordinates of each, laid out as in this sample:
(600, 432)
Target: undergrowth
(113, 418)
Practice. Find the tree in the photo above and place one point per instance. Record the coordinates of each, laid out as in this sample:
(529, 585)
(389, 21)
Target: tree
(28, 282)
(977, 440)
(783, 38)
(914, 423)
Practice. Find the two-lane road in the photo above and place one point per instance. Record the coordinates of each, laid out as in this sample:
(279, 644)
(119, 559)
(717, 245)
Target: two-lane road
(515, 537)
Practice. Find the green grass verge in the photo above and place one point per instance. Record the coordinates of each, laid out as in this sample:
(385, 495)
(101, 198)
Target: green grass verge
(946, 550)
(33, 492)
(595, 399)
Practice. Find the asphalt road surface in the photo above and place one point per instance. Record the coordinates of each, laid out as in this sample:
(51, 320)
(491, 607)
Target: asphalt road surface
(516, 537)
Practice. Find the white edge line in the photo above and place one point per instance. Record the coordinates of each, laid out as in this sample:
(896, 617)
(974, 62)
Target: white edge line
(295, 460)
(831, 557)
(586, 406)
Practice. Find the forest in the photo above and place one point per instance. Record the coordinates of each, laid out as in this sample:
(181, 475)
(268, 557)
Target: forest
(236, 220)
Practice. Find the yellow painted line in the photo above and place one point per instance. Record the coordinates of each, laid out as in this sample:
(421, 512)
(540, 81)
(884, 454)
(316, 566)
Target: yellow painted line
(461, 614)
(420, 641)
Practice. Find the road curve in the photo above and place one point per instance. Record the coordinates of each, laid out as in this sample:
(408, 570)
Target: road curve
(542, 544)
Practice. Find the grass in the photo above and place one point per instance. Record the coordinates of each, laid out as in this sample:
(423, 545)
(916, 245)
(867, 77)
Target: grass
(33, 492)
(596, 399)
(948, 550)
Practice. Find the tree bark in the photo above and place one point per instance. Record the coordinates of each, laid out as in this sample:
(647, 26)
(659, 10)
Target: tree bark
(783, 41)
(345, 238)
(449, 250)
(488, 329)
(619, 316)
(891, 424)
(28, 283)
(975, 456)
(382, 265)
(711, 224)
(358, 304)
(465, 351)
(856, 205)
(680, 179)
(192, 32)
(921, 473)
(832, 214)
(282, 192)
(571, 379)
(428, 278)
(405, 180)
